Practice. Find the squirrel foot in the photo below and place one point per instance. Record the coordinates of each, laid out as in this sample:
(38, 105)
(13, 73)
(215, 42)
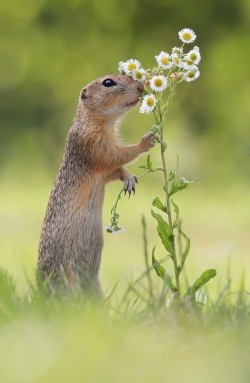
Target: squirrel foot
(129, 184)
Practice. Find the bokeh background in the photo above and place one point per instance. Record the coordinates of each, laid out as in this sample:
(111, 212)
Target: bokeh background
(50, 49)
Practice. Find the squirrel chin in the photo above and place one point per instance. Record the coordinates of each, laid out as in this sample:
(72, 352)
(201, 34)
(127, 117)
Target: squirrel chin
(133, 103)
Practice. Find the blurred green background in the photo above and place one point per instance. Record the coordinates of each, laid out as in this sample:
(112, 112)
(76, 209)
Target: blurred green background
(51, 49)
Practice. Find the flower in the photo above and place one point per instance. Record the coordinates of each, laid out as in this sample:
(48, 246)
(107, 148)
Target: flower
(186, 35)
(194, 56)
(164, 60)
(120, 67)
(139, 75)
(148, 103)
(158, 83)
(187, 64)
(178, 51)
(130, 66)
(176, 60)
(114, 230)
(192, 74)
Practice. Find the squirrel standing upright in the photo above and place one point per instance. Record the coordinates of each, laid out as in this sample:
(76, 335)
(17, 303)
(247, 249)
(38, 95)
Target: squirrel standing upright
(72, 240)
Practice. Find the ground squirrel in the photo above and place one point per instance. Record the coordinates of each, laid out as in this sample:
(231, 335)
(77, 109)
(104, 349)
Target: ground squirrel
(71, 241)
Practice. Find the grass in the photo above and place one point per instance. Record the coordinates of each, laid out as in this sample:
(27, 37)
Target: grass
(132, 337)
(69, 339)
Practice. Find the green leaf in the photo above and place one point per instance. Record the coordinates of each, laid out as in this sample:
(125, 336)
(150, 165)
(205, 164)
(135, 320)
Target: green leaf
(179, 185)
(164, 232)
(171, 175)
(201, 281)
(150, 164)
(186, 250)
(157, 203)
(161, 272)
(173, 172)
(177, 214)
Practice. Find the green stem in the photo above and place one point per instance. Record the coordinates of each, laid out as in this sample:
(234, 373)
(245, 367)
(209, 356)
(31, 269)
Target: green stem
(167, 202)
(113, 210)
(169, 214)
(114, 222)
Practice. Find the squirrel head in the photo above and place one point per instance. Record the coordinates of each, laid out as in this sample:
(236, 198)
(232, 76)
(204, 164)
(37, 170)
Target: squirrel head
(111, 96)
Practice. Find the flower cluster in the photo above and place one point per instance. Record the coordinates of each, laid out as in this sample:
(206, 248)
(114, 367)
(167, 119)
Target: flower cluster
(172, 68)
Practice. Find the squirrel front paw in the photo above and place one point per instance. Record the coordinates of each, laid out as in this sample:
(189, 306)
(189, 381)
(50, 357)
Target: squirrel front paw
(130, 183)
(148, 142)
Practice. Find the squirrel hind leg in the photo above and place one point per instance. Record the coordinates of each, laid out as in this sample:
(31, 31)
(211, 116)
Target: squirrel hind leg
(98, 291)
(91, 287)
(64, 281)
(58, 280)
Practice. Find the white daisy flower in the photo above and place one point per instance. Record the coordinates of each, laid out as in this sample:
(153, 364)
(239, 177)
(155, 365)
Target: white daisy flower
(164, 60)
(120, 67)
(176, 60)
(158, 83)
(187, 64)
(130, 66)
(114, 230)
(178, 51)
(186, 35)
(192, 74)
(148, 103)
(139, 75)
(194, 56)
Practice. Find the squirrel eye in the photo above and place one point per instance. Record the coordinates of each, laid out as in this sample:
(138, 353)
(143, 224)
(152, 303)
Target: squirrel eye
(108, 82)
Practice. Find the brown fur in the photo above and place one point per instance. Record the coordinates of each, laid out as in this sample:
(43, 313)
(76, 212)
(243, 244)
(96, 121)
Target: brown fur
(72, 239)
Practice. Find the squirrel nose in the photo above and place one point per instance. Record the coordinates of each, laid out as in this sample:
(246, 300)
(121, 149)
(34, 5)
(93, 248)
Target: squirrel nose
(140, 86)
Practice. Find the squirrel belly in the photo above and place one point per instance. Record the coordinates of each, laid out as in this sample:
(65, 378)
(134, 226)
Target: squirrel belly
(72, 239)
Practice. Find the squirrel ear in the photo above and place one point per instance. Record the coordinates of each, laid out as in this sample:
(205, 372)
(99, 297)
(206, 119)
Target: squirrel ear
(83, 94)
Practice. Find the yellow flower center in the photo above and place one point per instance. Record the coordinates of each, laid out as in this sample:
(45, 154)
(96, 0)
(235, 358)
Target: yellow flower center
(132, 66)
(158, 82)
(164, 60)
(190, 74)
(150, 102)
(178, 51)
(193, 56)
(189, 62)
(186, 36)
(176, 60)
(138, 75)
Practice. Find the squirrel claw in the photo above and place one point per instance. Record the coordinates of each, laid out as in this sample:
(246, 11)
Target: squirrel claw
(130, 184)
